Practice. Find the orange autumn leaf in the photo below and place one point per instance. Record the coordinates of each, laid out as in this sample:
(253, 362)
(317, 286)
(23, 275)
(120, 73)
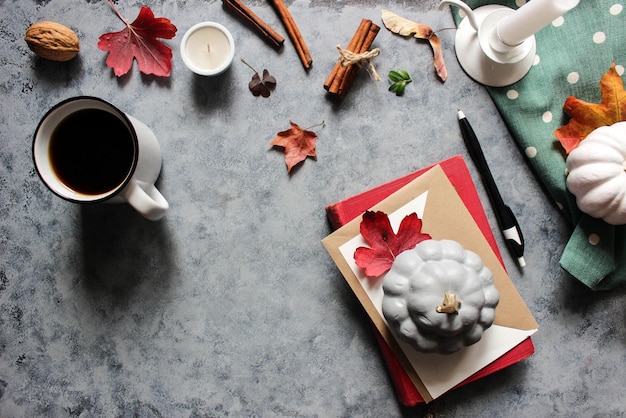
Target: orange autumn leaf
(298, 144)
(586, 117)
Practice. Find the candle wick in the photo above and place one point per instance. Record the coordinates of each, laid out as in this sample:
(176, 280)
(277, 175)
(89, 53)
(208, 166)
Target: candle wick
(208, 48)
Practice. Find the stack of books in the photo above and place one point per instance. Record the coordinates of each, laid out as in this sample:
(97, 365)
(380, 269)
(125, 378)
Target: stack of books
(445, 198)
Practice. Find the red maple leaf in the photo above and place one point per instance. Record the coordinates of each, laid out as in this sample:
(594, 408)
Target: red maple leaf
(385, 244)
(586, 117)
(298, 143)
(139, 41)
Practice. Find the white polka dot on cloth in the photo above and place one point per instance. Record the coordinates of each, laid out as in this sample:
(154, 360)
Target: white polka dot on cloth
(599, 37)
(512, 94)
(594, 239)
(573, 77)
(531, 152)
(547, 117)
(619, 69)
(537, 60)
(558, 21)
(616, 9)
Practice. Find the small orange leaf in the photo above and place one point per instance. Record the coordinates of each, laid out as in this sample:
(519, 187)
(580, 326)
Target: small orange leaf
(298, 144)
(586, 117)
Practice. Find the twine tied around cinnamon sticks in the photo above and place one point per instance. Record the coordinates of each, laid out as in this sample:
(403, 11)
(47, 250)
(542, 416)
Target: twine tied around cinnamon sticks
(350, 58)
(345, 71)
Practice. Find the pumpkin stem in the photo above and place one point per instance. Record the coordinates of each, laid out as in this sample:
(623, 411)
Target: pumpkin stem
(450, 305)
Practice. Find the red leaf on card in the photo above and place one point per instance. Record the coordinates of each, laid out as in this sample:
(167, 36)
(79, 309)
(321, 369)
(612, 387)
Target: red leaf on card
(298, 143)
(385, 245)
(139, 41)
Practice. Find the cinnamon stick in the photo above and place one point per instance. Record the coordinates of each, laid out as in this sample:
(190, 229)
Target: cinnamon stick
(293, 32)
(267, 33)
(341, 77)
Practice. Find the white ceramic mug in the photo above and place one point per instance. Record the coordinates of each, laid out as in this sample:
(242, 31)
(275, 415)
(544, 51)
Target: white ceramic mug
(88, 151)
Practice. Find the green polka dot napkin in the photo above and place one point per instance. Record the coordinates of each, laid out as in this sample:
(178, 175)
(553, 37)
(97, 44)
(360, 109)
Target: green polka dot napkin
(573, 53)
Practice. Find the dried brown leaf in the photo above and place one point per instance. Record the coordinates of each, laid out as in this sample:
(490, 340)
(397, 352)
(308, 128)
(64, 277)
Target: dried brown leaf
(405, 27)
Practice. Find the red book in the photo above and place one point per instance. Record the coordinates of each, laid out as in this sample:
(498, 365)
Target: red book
(346, 210)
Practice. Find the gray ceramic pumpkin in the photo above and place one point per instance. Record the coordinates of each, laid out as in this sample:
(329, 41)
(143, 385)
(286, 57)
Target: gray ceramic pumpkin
(439, 297)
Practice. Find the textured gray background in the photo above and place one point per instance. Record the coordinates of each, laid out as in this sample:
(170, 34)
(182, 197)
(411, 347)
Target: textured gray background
(230, 306)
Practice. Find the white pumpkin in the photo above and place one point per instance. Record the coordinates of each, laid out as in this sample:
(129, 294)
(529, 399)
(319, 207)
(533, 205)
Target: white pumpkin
(597, 174)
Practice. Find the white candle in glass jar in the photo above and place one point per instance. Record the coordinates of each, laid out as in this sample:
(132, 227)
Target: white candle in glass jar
(207, 48)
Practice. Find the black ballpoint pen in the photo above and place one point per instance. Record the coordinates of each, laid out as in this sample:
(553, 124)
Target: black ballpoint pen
(504, 215)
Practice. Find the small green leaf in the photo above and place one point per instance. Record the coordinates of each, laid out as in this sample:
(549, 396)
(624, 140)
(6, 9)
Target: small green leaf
(395, 76)
(400, 79)
(404, 75)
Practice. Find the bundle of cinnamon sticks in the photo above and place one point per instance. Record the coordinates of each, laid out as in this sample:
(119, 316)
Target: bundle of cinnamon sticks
(341, 77)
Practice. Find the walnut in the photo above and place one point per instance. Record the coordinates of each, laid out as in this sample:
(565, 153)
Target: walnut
(52, 41)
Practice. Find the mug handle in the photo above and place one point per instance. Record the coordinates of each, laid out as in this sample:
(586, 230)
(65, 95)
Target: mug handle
(146, 199)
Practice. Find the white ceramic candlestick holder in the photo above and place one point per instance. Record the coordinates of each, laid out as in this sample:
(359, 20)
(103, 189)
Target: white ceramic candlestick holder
(480, 48)
(482, 55)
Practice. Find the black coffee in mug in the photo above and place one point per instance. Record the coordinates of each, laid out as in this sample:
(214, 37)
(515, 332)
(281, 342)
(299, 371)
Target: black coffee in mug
(92, 151)
(88, 151)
